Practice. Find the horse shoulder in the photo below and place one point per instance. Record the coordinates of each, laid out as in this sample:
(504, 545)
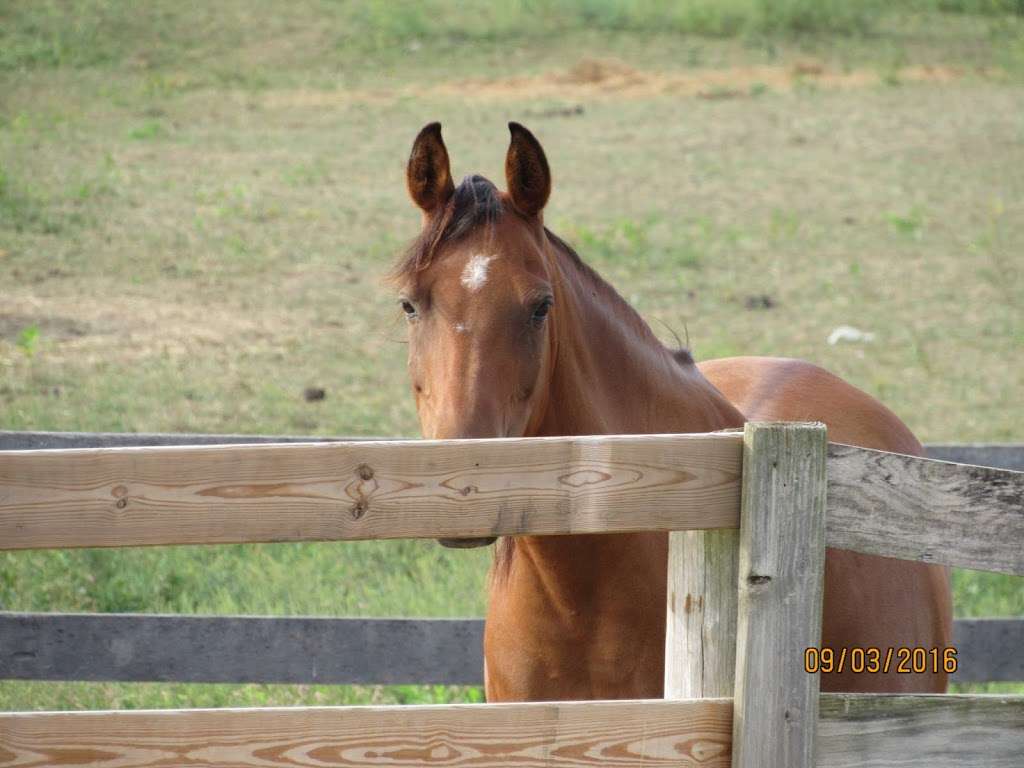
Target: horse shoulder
(869, 601)
(784, 389)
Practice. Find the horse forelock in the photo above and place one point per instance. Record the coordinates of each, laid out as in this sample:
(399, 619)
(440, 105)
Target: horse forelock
(475, 203)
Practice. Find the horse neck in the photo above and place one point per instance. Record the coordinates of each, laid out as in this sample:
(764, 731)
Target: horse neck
(609, 375)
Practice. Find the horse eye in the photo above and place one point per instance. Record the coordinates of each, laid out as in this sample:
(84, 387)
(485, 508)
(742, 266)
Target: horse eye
(408, 308)
(541, 310)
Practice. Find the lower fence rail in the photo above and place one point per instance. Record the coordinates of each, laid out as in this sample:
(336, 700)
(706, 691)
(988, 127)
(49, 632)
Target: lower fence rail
(912, 731)
(248, 649)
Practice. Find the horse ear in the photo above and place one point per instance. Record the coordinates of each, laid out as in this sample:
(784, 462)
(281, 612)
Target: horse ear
(428, 176)
(526, 171)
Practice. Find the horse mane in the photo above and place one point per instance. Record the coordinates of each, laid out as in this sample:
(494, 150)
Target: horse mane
(475, 202)
(681, 354)
(505, 546)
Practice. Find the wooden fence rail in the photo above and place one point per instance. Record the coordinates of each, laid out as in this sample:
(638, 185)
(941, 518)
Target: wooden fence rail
(237, 649)
(998, 455)
(854, 731)
(246, 649)
(367, 490)
(879, 503)
(921, 509)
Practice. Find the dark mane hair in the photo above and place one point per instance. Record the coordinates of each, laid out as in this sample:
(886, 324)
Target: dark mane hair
(476, 202)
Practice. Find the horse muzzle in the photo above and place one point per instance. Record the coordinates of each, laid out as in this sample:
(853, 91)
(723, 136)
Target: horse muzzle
(483, 541)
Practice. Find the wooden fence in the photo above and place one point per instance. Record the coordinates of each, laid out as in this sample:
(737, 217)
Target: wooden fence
(760, 587)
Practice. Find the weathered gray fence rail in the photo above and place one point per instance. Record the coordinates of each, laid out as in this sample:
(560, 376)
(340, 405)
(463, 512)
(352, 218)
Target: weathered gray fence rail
(245, 649)
(239, 649)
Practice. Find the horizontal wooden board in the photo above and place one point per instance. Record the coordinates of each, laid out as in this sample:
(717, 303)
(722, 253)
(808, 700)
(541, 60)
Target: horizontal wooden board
(541, 735)
(920, 731)
(1001, 455)
(240, 649)
(245, 649)
(879, 503)
(862, 730)
(920, 509)
(367, 490)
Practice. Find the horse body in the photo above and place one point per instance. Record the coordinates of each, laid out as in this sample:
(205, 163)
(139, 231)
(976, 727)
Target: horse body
(580, 617)
(512, 334)
(870, 602)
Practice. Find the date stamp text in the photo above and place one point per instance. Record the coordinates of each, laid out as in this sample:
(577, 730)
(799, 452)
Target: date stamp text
(873, 661)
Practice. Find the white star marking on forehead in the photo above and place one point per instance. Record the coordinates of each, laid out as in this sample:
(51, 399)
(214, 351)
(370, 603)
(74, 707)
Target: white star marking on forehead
(474, 276)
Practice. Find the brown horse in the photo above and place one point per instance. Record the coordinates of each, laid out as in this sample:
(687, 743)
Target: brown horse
(511, 334)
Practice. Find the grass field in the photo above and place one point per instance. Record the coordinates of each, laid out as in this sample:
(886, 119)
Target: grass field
(197, 205)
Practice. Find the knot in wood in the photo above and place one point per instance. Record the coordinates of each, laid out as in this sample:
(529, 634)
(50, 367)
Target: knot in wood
(365, 472)
(359, 509)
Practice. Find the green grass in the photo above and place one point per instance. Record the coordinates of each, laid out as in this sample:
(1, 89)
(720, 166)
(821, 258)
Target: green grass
(197, 205)
(41, 34)
(49, 33)
(406, 578)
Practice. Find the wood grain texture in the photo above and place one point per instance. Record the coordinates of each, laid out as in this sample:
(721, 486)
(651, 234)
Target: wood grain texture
(880, 503)
(240, 649)
(1001, 455)
(550, 735)
(367, 490)
(781, 586)
(920, 731)
(919, 509)
(997, 455)
(700, 633)
(854, 731)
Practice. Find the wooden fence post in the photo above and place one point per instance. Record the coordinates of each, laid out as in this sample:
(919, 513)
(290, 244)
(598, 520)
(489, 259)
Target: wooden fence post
(781, 580)
(700, 633)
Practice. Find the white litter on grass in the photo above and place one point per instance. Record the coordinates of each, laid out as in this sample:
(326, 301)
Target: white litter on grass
(849, 333)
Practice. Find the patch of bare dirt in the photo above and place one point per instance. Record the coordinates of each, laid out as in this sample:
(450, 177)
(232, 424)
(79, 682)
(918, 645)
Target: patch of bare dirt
(593, 78)
(52, 326)
(608, 71)
(130, 328)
